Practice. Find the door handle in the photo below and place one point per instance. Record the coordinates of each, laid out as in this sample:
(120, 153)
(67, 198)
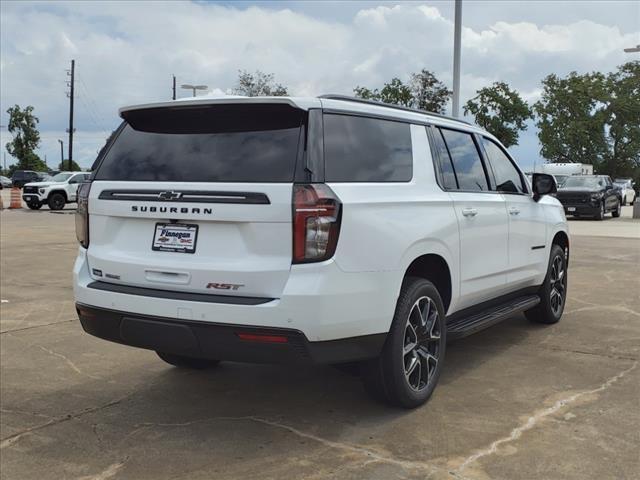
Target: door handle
(514, 210)
(469, 212)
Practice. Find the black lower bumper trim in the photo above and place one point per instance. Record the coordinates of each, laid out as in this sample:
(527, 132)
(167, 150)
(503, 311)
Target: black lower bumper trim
(221, 341)
(189, 297)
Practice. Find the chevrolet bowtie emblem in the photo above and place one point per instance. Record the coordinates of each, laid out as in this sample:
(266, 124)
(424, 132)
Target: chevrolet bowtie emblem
(169, 195)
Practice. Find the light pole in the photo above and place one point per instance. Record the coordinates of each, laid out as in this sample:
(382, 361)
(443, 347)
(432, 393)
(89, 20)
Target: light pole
(635, 49)
(457, 36)
(193, 88)
(61, 153)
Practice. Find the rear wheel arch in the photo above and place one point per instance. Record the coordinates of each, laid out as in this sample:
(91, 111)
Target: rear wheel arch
(434, 268)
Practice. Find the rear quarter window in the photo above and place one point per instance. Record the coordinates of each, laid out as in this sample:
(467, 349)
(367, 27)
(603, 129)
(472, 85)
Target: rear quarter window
(361, 149)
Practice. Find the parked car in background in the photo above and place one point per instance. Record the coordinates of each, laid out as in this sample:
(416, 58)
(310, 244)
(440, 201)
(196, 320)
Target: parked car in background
(20, 177)
(626, 190)
(5, 182)
(589, 195)
(55, 192)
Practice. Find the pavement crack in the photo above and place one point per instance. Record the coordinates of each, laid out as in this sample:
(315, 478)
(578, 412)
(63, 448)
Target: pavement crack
(35, 326)
(370, 454)
(71, 365)
(615, 308)
(108, 472)
(11, 439)
(534, 419)
(587, 352)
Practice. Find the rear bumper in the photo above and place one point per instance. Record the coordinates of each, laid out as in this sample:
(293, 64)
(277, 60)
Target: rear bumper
(319, 300)
(222, 341)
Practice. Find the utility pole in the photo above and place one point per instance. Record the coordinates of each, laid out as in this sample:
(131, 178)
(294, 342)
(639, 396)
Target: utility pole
(174, 87)
(457, 36)
(61, 154)
(71, 85)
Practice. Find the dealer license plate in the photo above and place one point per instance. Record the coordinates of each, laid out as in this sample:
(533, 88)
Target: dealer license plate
(175, 237)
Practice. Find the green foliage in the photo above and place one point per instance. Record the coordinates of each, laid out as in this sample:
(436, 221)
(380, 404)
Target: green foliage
(501, 111)
(64, 166)
(593, 118)
(570, 118)
(428, 92)
(424, 91)
(26, 138)
(258, 84)
(622, 117)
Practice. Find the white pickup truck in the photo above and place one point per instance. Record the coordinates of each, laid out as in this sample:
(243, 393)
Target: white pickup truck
(55, 192)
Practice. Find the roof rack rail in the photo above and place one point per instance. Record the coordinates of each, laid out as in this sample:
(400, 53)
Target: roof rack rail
(332, 96)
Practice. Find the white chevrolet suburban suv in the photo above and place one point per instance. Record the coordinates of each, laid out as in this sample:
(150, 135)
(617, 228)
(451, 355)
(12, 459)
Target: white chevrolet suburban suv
(328, 230)
(56, 192)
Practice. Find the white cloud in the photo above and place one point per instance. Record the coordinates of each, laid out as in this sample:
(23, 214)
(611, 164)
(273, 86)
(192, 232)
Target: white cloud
(126, 52)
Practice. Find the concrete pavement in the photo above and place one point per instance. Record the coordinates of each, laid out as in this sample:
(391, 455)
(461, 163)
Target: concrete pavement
(517, 401)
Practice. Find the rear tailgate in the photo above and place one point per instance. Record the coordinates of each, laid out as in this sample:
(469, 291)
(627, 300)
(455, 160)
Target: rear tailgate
(197, 199)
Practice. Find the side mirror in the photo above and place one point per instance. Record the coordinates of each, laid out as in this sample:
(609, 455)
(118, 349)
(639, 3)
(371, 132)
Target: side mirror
(543, 184)
(608, 187)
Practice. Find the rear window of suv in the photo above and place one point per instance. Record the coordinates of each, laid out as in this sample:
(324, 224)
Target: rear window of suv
(210, 143)
(361, 149)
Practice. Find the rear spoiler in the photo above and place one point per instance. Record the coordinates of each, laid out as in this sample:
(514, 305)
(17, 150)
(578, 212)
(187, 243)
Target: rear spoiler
(303, 103)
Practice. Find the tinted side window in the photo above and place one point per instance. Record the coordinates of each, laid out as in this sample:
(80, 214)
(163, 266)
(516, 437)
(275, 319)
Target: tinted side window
(444, 160)
(507, 176)
(359, 149)
(466, 160)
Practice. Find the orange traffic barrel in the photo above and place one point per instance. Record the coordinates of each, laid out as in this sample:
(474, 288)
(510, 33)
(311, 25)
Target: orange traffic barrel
(16, 198)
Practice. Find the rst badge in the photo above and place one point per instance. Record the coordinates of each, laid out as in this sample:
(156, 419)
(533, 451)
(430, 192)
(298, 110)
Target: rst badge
(224, 286)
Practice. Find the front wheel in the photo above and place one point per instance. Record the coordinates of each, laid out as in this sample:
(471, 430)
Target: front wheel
(407, 371)
(616, 212)
(56, 201)
(553, 292)
(34, 205)
(187, 362)
(600, 214)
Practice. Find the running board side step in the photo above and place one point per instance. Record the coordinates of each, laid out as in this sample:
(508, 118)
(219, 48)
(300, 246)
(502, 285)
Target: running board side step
(462, 327)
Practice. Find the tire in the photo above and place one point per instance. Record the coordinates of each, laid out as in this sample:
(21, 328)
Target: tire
(34, 205)
(600, 214)
(616, 213)
(549, 310)
(187, 362)
(405, 375)
(56, 201)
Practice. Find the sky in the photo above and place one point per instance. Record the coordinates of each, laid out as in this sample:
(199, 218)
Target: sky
(126, 52)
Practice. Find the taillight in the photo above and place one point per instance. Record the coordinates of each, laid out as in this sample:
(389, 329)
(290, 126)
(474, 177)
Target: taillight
(316, 223)
(82, 214)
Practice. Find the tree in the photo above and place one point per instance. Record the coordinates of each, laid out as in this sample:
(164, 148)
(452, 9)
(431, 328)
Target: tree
(26, 138)
(622, 116)
(501, 111)
(258, 84)
(428, 92)
(571, 119)
(64, 165)
(396, 93)
(423, 91)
